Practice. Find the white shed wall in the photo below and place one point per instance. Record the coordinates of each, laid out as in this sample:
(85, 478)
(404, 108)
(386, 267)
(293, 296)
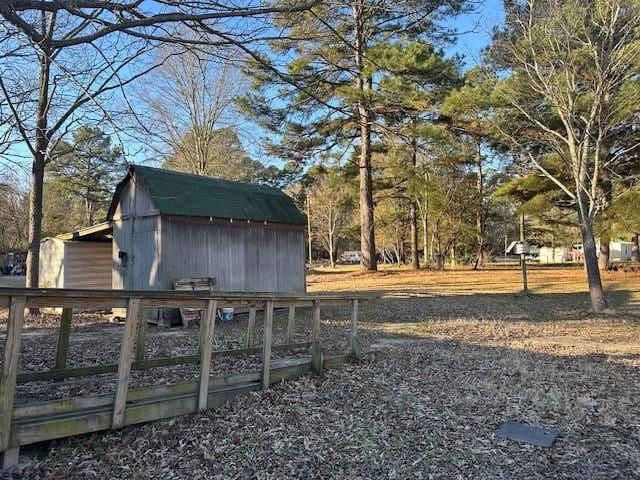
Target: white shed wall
(51, 263)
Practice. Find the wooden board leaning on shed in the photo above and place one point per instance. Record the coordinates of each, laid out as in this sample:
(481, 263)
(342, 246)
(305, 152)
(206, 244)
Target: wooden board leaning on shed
(204, 284)
(25, 424)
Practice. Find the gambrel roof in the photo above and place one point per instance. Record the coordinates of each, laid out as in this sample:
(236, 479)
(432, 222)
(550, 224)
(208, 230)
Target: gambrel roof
(183, 194)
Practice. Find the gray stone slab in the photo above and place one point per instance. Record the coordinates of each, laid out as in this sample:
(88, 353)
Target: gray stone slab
(521, 432)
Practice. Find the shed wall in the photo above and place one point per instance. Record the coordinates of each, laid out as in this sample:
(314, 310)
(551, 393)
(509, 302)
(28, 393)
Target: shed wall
(136, 233)
(241, 256)
(87, 264)
(51, 264)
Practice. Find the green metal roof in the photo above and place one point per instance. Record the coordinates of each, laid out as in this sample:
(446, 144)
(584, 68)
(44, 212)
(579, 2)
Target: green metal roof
(177, 193)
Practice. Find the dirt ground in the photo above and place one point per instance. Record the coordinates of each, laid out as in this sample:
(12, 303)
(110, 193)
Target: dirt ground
(450, 356)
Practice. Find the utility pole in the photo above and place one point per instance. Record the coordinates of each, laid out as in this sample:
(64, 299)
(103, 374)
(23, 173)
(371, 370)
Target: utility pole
(523, 255)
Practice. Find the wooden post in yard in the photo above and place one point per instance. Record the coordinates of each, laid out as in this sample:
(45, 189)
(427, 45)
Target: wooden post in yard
(124, 364)
(266, 344)
(8, 378)
(316, 346)
(251, 329)
(291, 323)
(63, 338)
(354, 345)
(206, 342)
(523, 256)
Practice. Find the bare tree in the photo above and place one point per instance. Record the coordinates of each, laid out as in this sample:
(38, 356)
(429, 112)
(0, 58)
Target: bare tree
(63, 61)
(328, 212)
(573, 65)
(190, 100)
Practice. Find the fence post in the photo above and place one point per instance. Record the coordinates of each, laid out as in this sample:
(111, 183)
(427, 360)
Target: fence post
(354, 344)
(290, 323)
(63, 338)
(124, 364)
(141, 339)
(251, 328)
(8, 377)
(266, 344)
(206, 342)
(316, 346)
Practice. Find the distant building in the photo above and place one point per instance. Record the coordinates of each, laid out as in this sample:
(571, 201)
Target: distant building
(164, 225)
(619, 251)
(80, 259)
(169, 225)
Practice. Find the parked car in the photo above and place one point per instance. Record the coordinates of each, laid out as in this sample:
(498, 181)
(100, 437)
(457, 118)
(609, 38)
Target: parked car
(17, 270)
(351, 257)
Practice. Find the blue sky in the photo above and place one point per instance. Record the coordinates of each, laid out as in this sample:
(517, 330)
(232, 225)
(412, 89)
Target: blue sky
(475, 30)
(474, 34)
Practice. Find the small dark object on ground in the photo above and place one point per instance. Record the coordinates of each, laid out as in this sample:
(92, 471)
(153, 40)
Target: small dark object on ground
(521, 432)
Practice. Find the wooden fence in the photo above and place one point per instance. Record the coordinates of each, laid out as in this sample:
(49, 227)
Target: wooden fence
(35, 422)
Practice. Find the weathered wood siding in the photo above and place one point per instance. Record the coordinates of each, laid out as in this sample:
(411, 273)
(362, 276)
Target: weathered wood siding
(242, 256)
(51, 263)
(136, 232)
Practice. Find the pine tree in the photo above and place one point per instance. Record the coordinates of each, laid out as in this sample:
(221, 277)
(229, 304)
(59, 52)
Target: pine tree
(324, 96)
(87, 170)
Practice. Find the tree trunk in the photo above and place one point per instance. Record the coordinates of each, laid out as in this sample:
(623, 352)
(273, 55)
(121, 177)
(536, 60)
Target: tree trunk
(331, 259)
(598, 301)
(425, 239)
(37, 174)
(635, 250)
(35, 221)
(367, 230)
(479, 207)
(603, 259)
(523, 256)
(607, 191)
(415, 260)
(309, 225)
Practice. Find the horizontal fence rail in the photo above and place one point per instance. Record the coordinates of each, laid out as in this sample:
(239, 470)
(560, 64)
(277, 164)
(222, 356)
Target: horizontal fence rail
(35, 422)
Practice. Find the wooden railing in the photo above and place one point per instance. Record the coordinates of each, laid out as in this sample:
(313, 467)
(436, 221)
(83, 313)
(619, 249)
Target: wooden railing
(35, 422)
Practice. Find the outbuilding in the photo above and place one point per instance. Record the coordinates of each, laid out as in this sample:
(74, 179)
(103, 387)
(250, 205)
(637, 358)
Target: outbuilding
(80, 259)
(169, 225)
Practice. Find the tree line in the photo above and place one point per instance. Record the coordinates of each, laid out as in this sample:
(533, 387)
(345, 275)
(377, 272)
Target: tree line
(391, 146)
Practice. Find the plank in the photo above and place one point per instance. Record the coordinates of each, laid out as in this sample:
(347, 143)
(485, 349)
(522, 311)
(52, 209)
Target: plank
(207, 332)
(291, 323)
(266, 344)
(144, 364)
(251, 328)
(10, 367)
(141, 337)
(63, 338)
(63, 418)
(354, 345)
(10, 457)
(316, 346)
(124, 364)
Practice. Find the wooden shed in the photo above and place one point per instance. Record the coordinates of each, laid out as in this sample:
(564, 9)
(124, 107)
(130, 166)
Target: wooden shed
(169, 225)
(80, 259)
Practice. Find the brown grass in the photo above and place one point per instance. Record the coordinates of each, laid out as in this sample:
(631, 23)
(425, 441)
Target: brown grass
(451, 355)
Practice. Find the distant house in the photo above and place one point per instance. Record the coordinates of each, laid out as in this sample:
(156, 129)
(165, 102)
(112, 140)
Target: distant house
(169, 225)
(559, 255)
(619, 251)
